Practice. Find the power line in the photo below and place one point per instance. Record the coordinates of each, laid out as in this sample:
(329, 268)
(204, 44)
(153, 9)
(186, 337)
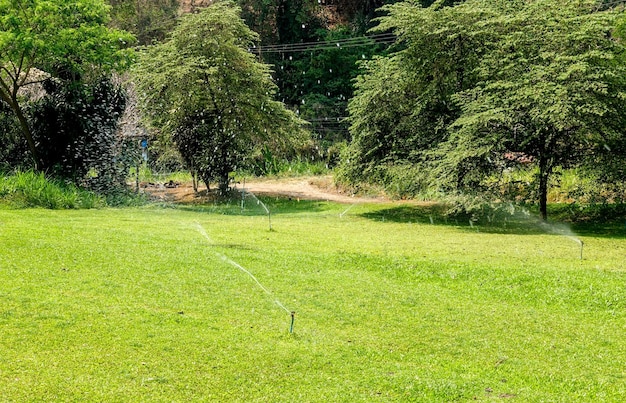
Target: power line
(387, 38)
(366, 39)
(612, 3)
(338, 119)
(361, 41)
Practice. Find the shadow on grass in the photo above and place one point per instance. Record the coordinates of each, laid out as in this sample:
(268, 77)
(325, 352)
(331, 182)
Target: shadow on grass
(600, 221)
(257, 206)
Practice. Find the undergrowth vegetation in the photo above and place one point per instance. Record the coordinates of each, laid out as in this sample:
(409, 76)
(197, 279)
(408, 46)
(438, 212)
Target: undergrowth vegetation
(26, 189)
(30, 189)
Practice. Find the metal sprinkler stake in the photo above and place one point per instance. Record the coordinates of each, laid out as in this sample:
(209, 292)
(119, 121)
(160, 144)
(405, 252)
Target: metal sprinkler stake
(581, 249)
(243, 193)
(293, 318)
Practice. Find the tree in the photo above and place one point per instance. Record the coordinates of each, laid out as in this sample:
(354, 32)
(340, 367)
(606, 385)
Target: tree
(75, 125)
(149, 20)
(209, 93)
(550, 88)
(403, 102)
(13, 149)
(485, 81)
(45, 39)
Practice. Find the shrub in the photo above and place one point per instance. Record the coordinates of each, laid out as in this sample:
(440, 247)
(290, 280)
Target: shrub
(30, 189)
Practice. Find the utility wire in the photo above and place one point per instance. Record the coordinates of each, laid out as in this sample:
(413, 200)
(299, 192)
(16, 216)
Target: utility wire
(612, 3)
(366, 39)
(387, 38)
(337, 119)
(384, 38)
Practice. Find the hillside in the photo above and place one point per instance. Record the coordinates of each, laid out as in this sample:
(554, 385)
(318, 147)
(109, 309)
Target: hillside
(188, 6)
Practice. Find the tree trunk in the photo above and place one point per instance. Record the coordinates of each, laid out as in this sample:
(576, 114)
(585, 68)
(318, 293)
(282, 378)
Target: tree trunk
(194, 181)
(207, 181)
(545, 168)
(28, 135)
(543, 195)
(223, 185)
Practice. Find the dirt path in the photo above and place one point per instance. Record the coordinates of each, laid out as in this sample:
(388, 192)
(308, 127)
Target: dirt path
(303, 188)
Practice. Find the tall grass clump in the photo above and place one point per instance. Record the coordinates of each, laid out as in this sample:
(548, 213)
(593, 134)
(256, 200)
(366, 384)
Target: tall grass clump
(32, 189)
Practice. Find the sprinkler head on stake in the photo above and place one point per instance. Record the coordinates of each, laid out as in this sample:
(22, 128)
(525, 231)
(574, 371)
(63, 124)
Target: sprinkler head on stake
(581, 249)
(293, 318)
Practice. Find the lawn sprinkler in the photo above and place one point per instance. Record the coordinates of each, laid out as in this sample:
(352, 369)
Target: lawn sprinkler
(346, 210)
(582, 244)
(258, 202)
(578, 241)
(246, 271)
(293, 319)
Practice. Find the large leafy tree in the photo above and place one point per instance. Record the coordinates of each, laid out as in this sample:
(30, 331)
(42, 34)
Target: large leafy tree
(47, 39)
(484, 82)
(551, 88)
(204, 88)
(403, 104)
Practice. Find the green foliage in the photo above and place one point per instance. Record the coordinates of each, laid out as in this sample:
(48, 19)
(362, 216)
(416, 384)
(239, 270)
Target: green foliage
(75, 125)
(146, 174)
(204, 88)
(148, 20)
(482, 85)
(314, 72)
(30, 189)
(13, 149)
(402, 105)
(592, 218)
(59, 37)
(318, 83)
(65, 39)
(549, 89)
(268, 165)
(397, 180)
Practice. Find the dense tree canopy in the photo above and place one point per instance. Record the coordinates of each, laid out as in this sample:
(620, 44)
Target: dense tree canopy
(484, 81)
(204, 88)
(75, 127)
(149, 20)
(45, 40)
(318, 82)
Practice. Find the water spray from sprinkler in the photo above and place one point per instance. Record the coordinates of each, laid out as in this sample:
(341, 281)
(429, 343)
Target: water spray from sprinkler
(582, 244)
(258, 202)
(579, 242)
(246, 271)
(560, 229)
(346, 210)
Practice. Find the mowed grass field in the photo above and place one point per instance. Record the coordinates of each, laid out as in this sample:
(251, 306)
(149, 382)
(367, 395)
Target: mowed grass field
(155, 304)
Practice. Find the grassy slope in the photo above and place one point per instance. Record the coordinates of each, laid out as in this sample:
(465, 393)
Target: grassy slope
(136, 304)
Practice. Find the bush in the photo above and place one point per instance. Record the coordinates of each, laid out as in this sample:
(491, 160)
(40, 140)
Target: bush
(30, 189)
(75, 124)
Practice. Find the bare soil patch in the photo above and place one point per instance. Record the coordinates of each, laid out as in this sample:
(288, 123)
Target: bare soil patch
(302, 188)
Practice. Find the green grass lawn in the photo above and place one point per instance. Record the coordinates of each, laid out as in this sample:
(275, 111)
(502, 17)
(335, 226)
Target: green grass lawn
(148, 304)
